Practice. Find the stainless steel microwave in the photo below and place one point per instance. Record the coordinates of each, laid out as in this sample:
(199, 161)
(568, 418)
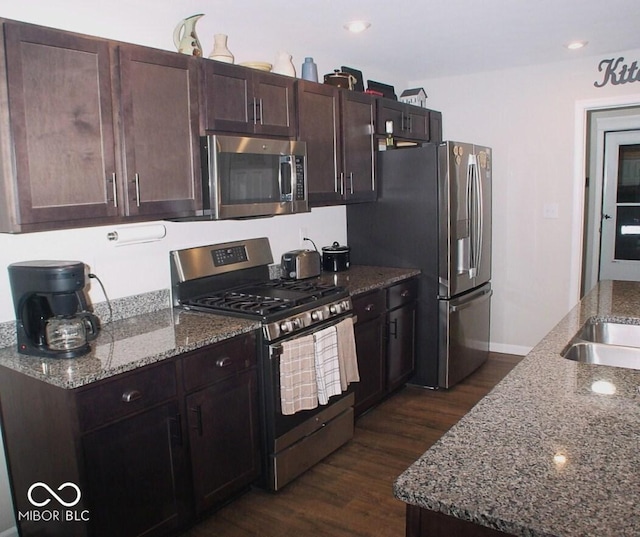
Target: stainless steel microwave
(245, 177)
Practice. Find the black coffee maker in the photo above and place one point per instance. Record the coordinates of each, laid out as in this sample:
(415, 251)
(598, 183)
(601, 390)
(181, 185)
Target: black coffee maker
(51, 308)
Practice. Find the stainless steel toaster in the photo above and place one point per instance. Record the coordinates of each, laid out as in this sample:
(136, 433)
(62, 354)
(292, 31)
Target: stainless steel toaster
(300, 264)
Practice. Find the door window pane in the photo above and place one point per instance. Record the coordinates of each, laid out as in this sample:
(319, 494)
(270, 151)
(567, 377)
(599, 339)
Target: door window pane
(629, 174)
(628, 232)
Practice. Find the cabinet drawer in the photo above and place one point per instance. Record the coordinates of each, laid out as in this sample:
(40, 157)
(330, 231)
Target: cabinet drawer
(217, 362)
(402, 293)
(128, 393)
(369, 306)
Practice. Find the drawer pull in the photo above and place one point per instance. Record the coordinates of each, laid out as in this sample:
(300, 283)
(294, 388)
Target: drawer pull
(224, 362)
(370, 307)
(405, 293)
(131, 396)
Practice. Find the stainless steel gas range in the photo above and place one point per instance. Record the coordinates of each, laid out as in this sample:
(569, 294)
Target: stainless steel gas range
(233, 279)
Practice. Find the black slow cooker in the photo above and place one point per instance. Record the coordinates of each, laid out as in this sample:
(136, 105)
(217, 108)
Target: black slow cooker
(335, 258)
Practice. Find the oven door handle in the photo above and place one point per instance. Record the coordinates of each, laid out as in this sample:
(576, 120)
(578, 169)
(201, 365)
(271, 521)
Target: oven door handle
(275, 351)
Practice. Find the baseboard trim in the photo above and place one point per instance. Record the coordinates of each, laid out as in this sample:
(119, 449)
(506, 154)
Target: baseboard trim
(504, 348)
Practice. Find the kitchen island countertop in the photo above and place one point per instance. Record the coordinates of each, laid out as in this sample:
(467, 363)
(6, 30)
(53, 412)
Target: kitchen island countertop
(543, 454)
(140, 340)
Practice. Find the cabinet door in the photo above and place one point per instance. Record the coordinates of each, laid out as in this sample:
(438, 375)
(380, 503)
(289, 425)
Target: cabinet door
(400, 345)
(369, 338)
(228, 98)
(132, 468)
(358, 146)
(62, 124)
(416, 123)
(275, 104)
(160, 123)
(369, 308)
(319, 127)
(223, 433)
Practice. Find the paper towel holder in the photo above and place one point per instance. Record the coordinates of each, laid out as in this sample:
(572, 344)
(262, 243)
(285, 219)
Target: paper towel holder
(137, 235)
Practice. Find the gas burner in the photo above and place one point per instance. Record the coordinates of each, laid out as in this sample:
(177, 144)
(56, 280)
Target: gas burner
(314, 288)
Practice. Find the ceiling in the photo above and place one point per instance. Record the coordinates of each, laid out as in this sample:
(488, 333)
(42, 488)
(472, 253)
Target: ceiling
(421, 39)
(414, 40)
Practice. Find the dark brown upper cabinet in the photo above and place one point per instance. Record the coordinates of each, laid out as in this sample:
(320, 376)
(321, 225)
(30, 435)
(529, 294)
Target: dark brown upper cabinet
(60, 120)
(159, 99)
(68, 95)
(248, 101)
(337, 126)
(408, 122)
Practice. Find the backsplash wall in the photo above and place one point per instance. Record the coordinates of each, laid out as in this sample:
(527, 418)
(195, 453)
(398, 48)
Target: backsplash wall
(135, 269)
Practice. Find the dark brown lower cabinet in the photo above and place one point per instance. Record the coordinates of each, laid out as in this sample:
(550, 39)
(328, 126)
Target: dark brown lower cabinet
(369, 335)
(132, 474)
(401, 342)
(385, 341)
(148, 450)
(223, 438)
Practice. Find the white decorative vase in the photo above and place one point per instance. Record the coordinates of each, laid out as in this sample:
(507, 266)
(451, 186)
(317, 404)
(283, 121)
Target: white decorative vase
(220, 51)
(185, 37)
(283, 65)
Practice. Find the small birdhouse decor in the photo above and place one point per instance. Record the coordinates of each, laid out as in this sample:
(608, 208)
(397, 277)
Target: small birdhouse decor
(415, 96)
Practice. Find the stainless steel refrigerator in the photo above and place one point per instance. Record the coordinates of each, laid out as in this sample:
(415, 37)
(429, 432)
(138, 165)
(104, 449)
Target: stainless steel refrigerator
(434, 213)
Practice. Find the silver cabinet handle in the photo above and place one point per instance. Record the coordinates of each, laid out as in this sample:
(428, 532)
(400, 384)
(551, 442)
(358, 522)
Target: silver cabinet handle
(131, 396)
(369, 307)
(137, 183)
(351, 181)
(115, 190)
(224, 362)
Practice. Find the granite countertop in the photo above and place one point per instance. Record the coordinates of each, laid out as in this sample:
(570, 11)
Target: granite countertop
(133, 342)
(542, 454)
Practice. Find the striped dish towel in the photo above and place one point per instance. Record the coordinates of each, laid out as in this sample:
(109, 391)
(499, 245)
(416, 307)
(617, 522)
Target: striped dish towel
(298, 386)
(347, 357)
(327, 365)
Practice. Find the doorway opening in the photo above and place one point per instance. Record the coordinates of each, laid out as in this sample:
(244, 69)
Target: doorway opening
(611, 246)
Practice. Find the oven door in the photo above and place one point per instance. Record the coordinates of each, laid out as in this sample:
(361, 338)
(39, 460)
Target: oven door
(293, 443)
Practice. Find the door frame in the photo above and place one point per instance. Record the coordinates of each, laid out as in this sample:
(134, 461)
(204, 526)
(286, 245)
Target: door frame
(600, 125)
(578, 238)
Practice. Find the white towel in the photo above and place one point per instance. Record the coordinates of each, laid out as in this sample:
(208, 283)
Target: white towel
(298, 386)
(327, 365)
(347, 356)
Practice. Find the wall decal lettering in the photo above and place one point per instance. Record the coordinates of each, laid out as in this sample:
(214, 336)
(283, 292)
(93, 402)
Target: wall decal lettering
(617, 72)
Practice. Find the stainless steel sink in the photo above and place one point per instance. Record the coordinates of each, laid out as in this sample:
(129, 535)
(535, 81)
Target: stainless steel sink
(603, 342)
(604, 354)
(610, 333)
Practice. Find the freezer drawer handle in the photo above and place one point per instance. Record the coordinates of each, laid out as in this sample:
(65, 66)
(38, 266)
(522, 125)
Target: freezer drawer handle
(484, 296)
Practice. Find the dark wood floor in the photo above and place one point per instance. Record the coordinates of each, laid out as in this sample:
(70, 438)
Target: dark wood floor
(350, 492)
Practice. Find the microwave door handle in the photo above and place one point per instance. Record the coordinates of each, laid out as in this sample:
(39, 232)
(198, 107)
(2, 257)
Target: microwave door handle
(285, 179)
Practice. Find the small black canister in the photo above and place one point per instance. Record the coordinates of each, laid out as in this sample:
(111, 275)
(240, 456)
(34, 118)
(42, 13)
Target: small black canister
(335, 258)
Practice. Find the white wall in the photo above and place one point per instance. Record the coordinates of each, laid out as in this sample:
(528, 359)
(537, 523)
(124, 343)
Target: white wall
(528, 116)
(137, 268)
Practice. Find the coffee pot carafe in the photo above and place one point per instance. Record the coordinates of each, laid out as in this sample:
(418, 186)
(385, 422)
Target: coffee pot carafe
(52, 317)
(69, 333)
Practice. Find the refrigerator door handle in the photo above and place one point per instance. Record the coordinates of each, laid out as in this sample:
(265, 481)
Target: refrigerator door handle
(475, 204)
(479, 298)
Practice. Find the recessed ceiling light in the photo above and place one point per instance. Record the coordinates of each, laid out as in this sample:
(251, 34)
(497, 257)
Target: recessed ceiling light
(357, 26)
(575, 45)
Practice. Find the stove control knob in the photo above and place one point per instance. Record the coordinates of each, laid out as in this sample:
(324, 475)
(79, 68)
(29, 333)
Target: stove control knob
(286, 326)
(336, 308)
(316, 315)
